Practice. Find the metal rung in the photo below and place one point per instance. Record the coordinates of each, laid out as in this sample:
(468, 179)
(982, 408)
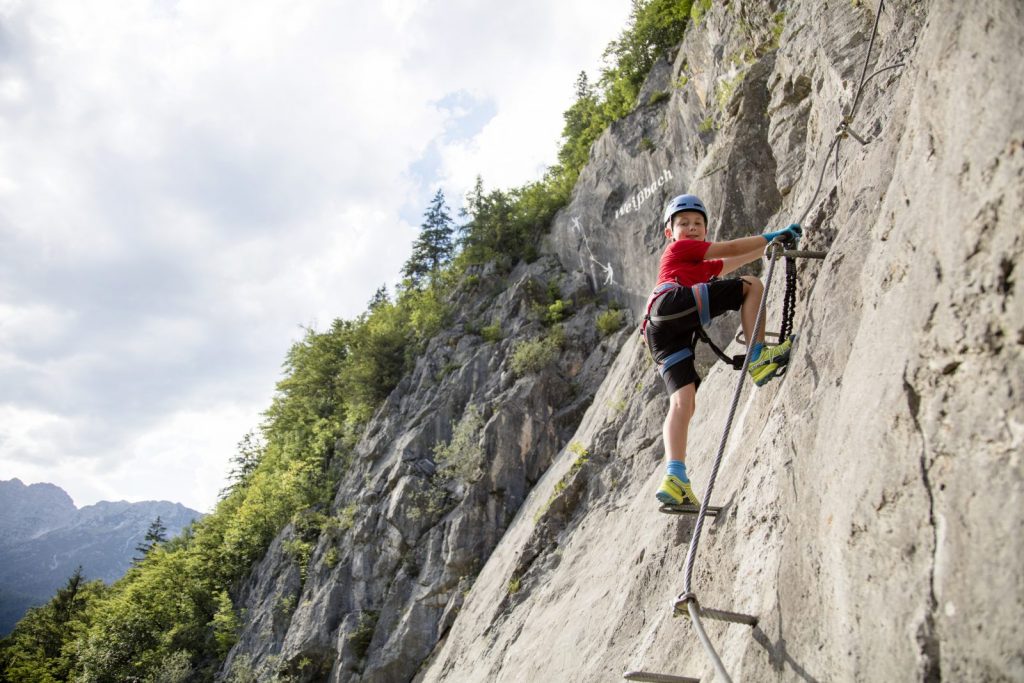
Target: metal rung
(734, 617)
(798, 253)
(743, 340)
(657, 678)
(679, 608)
(688, 509)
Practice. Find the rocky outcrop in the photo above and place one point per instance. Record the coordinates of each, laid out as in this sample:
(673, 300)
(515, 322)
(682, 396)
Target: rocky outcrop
(504, 388)
(871, 497)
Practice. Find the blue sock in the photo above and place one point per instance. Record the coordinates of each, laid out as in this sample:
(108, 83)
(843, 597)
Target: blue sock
(677, 468)
(756, 353)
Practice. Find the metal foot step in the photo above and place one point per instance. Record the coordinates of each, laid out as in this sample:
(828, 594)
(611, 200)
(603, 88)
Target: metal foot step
(734, 617)
(718, 614)
(778, 335)
(688, 509)
(657, 678)
(680, 607)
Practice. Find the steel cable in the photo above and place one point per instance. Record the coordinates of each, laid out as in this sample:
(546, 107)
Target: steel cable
(774, 249)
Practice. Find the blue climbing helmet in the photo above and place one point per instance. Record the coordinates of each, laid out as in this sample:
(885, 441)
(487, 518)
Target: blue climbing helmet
(684, 202)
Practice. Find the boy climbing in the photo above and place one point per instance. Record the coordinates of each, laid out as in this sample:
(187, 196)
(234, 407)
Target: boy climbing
(685, 298)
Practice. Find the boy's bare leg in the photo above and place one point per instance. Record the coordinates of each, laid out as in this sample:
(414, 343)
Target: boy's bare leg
(765, 361)
(752, 292)
(675, 488)
(681, 405)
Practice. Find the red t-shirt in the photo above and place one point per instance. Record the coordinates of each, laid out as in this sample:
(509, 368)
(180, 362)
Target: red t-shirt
(683, 261)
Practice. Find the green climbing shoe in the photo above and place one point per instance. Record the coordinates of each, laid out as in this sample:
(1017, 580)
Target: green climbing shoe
(675, 491)
(767, 364)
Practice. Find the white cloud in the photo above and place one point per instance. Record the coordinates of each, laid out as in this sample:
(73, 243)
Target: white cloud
(187, 451)
(32, 324)
(30, 433)
(186, 183)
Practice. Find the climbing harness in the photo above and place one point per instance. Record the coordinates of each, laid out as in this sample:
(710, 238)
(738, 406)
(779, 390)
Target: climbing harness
(693, 319)
(688, 599)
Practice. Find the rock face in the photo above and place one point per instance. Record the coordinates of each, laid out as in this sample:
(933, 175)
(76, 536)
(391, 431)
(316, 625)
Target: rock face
(410, 530)
(44, 537)
(873, 508)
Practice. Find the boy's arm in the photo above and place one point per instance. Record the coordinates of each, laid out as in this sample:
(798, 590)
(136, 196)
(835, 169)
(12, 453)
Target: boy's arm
(731, 263)
(745, 246)
(739, 248)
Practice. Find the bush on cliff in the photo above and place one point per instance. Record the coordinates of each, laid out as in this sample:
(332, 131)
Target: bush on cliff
(507, 225)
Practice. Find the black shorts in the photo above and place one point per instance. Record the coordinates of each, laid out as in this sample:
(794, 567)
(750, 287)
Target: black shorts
(668, 337)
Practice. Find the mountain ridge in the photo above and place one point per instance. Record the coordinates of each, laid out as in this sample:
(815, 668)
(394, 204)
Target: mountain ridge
(40, 547)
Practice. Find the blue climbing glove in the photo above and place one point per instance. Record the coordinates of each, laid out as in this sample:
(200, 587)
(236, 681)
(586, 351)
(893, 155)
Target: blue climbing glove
(792, 233)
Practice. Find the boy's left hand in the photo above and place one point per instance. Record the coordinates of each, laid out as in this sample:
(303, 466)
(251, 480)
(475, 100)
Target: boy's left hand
(792, 233)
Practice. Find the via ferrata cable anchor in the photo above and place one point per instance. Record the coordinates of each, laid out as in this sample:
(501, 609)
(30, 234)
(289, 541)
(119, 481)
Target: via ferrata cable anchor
(844, 130)
(679, 606)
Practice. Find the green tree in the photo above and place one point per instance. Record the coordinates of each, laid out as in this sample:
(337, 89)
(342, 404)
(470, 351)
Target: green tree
(584, 123)
(655, 27)
(155, 535)
(376, 361)
(379, 298)
(472, 202)
(226, 624)
(161, 609)
(248, 454)
(507, 225)
(42, 645)
(433, 248)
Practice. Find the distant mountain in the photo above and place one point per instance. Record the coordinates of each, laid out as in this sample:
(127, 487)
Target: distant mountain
(44, 537)
(28, 511)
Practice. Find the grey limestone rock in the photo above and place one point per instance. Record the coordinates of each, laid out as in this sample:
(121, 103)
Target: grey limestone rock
(408, 532)
(872, 497)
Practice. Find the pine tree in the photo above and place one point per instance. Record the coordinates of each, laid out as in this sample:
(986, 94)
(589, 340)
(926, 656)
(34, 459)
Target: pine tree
(433, 248)
(584, 123)
(49, 625)
(474, 198)
(38, 649)
(243, 463)
(66, 603)
(379, 298)
(156, 535)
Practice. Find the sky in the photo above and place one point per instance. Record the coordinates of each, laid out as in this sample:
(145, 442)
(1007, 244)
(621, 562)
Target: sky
(186, 185)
